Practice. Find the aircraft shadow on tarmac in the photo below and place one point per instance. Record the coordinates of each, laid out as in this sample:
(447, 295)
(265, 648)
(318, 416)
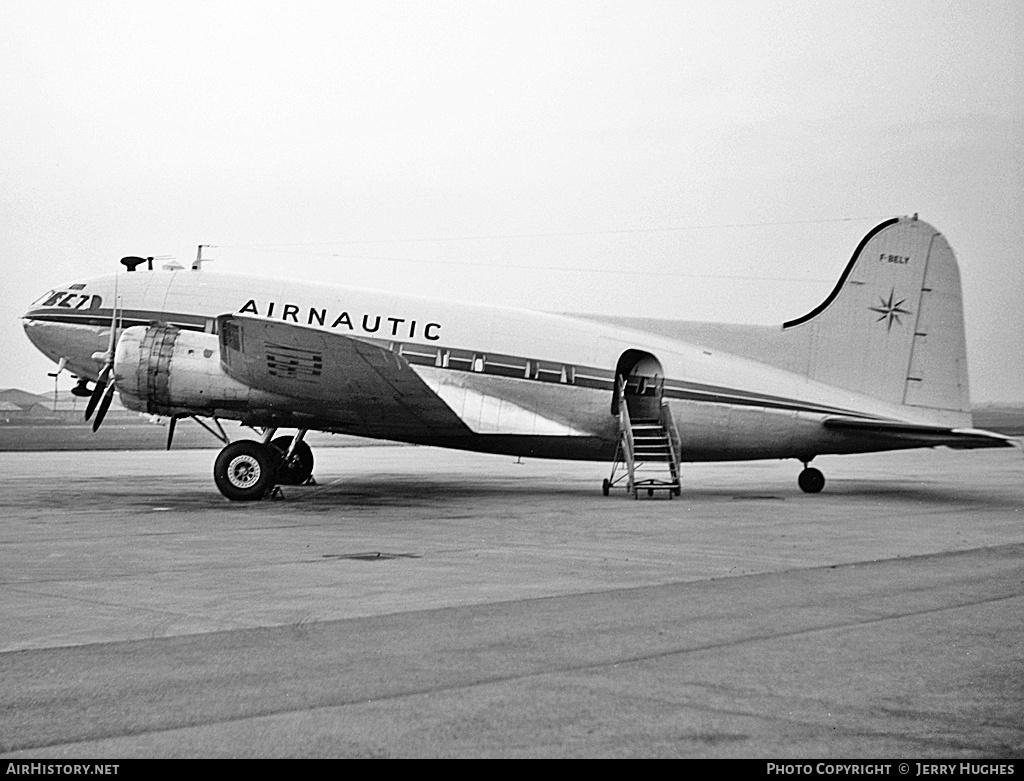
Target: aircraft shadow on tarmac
(406, 492)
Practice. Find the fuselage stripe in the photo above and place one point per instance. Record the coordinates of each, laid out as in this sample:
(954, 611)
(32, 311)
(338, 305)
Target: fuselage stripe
(472, 361)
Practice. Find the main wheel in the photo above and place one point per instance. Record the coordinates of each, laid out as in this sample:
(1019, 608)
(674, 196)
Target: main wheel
(606, 487)
(299, 467)
(811, 481)
(245, 471)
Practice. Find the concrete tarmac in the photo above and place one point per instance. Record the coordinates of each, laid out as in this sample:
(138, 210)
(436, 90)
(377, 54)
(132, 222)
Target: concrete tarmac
(420, 602)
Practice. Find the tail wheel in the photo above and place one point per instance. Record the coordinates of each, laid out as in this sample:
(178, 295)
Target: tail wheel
(245, 471)
(811, 480)
(299, 467)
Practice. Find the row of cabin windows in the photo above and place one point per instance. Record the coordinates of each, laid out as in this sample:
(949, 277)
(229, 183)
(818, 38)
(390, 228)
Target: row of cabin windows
(504, 365)
(481, 363)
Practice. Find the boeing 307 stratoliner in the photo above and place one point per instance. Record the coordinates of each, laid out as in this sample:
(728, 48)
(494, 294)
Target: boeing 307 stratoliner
(880, 364)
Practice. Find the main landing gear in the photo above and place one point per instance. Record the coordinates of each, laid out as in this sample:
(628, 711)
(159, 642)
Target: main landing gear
(811, 480)
(246, 471)
(295, 466)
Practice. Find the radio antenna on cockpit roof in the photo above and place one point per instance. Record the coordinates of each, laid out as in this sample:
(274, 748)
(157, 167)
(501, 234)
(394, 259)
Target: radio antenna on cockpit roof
(197, 264)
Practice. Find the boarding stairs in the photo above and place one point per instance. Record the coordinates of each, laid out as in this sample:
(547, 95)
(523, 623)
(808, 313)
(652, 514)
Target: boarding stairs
(648, 452)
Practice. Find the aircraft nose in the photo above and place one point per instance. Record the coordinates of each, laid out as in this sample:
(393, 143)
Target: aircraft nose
(75, 344)
(38, 333)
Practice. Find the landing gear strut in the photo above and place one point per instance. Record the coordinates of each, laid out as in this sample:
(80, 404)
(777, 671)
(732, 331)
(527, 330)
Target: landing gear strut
(296, 461)
(811, 480)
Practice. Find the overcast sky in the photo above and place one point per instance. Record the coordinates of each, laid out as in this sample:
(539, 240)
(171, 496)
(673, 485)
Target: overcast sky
(707, 161)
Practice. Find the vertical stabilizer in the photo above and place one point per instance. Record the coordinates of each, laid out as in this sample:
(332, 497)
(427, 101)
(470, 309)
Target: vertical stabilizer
(893, 327)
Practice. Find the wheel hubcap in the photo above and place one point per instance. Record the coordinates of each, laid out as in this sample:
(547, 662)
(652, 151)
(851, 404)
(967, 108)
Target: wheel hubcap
(244, 471)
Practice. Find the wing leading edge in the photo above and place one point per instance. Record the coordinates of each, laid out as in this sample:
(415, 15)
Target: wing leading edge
(363, 387)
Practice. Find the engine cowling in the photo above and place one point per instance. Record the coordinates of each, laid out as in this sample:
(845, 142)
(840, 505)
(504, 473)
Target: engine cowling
(161, 369)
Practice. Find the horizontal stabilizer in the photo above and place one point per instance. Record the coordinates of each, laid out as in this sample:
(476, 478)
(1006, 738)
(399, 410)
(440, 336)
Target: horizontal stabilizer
(923, 436)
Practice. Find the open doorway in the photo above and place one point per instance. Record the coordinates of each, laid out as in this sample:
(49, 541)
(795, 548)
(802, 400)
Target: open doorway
(644, 385)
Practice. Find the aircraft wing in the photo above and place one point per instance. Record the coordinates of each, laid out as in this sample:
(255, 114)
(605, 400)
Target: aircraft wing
(342, 380)
(919, 435)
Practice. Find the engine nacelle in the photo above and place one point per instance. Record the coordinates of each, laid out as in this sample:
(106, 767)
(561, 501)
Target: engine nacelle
(163, 370)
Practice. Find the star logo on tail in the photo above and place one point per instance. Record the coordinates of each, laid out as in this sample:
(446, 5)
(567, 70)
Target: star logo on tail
(890, 310)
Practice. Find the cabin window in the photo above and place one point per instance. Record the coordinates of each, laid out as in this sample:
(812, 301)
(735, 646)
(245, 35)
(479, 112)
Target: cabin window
(418, 354)
(594, 378)
(507, 366)
(461, 360)
(546, 371)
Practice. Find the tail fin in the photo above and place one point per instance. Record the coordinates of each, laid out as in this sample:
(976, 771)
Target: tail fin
(893, 327)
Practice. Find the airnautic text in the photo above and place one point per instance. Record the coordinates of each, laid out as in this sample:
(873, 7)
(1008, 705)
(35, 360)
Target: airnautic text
(371, 324)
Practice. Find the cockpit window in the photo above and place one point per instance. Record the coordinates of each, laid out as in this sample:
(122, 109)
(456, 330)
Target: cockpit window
(67, 299)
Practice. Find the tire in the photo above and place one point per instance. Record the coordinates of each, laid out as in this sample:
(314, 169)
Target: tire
(811, 481)
(301, 467)
(606, 487)
(245, 471)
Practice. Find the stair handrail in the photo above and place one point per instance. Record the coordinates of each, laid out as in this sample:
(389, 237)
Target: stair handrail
(625, 431)
(668, 422)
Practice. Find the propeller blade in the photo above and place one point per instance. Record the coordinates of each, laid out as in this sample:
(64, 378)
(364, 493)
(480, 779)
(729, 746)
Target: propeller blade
(108, 396)
(113, 325)
(101, 394)
(170, 431)
(97, 392)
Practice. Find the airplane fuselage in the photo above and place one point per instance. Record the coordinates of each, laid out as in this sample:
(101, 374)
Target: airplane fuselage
(523, 382)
